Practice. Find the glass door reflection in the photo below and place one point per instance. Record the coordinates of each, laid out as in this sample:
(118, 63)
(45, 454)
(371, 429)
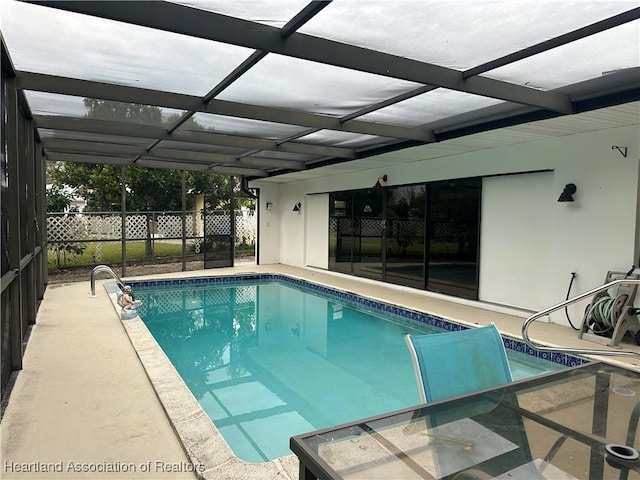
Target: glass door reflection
(405, 236)
(356, 233)
(340, 232)
(423, 236)
(453, 226)
(369, 233)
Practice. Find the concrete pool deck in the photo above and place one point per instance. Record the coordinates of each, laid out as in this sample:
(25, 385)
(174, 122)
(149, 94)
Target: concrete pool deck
(83, 405)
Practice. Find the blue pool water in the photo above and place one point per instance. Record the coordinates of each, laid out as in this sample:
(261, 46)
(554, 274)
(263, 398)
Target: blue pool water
(268, 360)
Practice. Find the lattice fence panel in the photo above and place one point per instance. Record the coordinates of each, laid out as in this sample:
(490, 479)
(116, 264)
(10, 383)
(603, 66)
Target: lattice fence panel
(246, 294)
(169, 225)
(99, 234)
(217, 223)
(105, 227)
(406, 228)
(450, 231)
(99, 226)
(371, 227)
(246, 227)
(112, 227)
(333, 226)
(169, 302)
(57, 230)
(137, 227)
(217, 296)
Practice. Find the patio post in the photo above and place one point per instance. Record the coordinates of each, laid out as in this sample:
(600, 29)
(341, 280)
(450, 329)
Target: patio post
(123, 213)
(184, 220)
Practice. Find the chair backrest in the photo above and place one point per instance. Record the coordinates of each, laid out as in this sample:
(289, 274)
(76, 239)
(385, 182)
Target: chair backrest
(455, 363)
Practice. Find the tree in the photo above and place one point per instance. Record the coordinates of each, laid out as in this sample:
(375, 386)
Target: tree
(133, 112)
(147, 189)
(98, 184)
(57, 199)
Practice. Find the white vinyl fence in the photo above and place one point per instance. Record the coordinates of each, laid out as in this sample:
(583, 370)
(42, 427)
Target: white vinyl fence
(97, 237)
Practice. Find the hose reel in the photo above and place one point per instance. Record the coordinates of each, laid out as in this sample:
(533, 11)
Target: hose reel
(611, 313)
(603, 314)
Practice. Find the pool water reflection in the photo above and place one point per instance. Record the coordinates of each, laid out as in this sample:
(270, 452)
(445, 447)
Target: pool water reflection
(268, 360)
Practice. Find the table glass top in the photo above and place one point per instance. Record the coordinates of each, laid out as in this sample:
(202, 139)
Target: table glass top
(553, 427)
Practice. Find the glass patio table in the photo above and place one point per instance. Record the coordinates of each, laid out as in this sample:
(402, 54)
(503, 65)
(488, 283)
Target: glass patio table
(575, 423)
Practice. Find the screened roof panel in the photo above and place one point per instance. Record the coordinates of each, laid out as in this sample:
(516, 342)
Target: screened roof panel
(93, 137)
(56, 42)
(241, 126)
(457, 35)
(300, 157)
(270, 163)
(429, 107)
(591, 57)
(199, 147)
(262, 88)
(351, 140)
(268, 12)
(42, 103)
(152, 163)
(301, 85)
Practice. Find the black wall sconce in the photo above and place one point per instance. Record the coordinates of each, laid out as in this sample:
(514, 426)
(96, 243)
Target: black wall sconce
(378, 185)
(297, 207)
(269, 205)
(567, 193)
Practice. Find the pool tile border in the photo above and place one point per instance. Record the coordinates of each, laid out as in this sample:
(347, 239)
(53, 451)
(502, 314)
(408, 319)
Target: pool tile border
(361, 301)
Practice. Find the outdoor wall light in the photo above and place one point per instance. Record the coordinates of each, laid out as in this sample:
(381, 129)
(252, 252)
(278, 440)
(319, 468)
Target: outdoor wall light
(567, 193)
(378, 185)
(269, 205)
(297, 207)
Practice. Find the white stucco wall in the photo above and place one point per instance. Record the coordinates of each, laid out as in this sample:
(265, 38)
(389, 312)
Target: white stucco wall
(317, 229)
(292, 224)
(515, 239)
(530, 243)
(269, 224)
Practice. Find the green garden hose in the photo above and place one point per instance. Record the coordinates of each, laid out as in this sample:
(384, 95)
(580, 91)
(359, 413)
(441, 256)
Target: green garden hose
(604, 312)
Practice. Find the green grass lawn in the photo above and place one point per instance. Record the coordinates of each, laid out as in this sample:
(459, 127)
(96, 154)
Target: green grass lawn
(95, 253)
(111, 252)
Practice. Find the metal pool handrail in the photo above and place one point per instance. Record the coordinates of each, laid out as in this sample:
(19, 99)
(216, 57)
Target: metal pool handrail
(102, 268)
(577, 351)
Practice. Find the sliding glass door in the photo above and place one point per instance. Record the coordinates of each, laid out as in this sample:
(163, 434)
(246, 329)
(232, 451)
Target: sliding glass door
(368, 215)
(453, 232)
(356, 228)
(341, 232)
(422, 236)
(405, 247)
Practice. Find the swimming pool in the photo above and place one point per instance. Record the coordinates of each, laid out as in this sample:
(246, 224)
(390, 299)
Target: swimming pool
(269, 357)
